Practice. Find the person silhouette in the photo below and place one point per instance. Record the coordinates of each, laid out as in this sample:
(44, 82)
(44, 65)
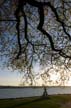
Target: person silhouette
(45, 94)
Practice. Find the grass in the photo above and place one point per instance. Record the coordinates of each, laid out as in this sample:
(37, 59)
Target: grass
(54, 101)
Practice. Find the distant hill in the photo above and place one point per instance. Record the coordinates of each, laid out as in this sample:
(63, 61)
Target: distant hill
(2, 86)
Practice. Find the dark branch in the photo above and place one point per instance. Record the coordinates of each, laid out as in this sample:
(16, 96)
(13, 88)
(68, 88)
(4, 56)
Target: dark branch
(40, 6)
(64, 55)
(58, 19)
(40, 27)
(18, 30)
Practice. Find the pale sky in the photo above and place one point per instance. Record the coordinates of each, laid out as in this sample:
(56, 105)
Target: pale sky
(8, 77)
(14, 78)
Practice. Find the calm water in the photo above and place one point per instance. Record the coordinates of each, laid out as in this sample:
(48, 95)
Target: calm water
(30, 92)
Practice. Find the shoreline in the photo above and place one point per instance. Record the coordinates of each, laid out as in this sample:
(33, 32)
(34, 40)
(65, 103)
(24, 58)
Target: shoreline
(33, 86)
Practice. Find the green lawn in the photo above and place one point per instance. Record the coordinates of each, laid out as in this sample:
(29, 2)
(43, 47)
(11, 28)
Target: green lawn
(57, 101)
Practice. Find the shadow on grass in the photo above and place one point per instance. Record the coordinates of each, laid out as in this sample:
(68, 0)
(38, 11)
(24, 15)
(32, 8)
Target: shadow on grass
(29, 102)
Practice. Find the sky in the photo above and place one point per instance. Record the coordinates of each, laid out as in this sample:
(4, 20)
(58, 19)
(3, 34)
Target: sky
(14, 78)
(10, 78)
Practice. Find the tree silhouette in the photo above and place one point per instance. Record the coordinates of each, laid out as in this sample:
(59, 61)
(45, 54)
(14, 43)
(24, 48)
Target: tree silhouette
(24, 43)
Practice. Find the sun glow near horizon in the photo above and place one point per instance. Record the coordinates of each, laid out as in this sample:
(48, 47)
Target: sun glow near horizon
(56, 77)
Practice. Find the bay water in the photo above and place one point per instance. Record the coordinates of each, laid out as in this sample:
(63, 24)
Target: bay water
(19, 92)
